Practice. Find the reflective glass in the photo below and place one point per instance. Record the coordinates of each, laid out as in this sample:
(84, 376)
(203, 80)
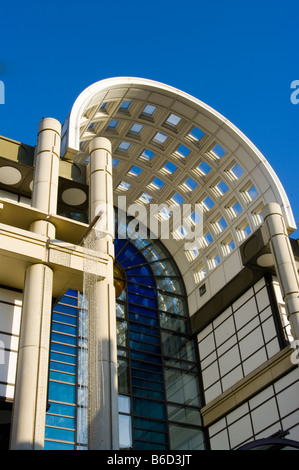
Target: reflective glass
(171, 322)
(63, 358)
(65, 309)
(70, 320)
(62, 392)
(140, 336)
(150, 408)
(171, 304)
(124, 404)
(123, 376)
(181, 387)
(184, 438)
(144, 280)
(63, 348)
(148, 384)
(121, 330)
(60, 421)
(183, 414)
(59, 434)
(62, 377)
(68, 300)
(64, 338)
(62, 367)
(145, 301)
(146, 357)
(148, 393)
(178, 346)
(61, 409)
(169, 284)
(125, 431)
(150, 436)
(50, 445)
(141, 290)
(155, 425)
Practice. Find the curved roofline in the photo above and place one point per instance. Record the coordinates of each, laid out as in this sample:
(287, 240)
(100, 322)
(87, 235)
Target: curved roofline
(88, 97)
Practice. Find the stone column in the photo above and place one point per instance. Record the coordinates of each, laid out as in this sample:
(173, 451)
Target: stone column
(30, 400)
(102, 345)
(284, 261)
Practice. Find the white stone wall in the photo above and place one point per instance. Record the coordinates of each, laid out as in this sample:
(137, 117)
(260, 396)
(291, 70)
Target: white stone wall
(238, 341)
(10, 318)
(272, 410)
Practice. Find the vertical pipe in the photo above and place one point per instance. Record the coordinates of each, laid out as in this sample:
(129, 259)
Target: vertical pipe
(284, 262)
(102, 346)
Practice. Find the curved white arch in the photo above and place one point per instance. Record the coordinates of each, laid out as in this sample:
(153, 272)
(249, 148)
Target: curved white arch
(88, 111)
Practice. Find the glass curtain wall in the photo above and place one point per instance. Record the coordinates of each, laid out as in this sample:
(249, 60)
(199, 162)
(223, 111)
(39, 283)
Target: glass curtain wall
(159, 386)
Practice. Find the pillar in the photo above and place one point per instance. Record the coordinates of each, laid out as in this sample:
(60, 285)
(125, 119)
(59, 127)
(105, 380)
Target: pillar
(284, 261)
(102, 345)
(30, 400)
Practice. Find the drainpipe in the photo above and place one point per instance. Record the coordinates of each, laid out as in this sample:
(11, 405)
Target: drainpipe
(275, 233)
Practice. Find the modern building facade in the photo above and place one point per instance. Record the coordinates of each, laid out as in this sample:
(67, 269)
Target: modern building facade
(149, 292)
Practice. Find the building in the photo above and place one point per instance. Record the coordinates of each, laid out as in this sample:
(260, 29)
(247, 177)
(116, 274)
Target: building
(131, 329)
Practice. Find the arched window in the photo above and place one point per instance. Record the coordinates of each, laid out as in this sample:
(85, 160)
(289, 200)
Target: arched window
(159, 385)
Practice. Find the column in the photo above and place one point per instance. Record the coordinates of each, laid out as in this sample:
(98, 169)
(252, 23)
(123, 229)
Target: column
(102, 345)
(284, 261)
(30, 400)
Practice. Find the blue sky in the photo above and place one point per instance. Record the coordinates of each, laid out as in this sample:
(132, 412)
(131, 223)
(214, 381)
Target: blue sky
(238, 57)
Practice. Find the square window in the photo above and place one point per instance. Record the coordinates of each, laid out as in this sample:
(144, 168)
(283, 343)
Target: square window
(135, 171)
(149, 110)
(208, 203)
(208, 238)
(123, 186)
(170, 167)
(136, 128)
(112, 124)
(145, 198)
(183, 151)
(237, 208)
(222, 224)
(147, 155)
(160, 138)
(204, 168)
(124, 145)
(222, 186)
(218, 151)
(177, 198)
(125, 105)
(157, 183)
(191, 184)
(115, 162)
(237, 170)
(173, 120)
(252, 192)
(196, 134)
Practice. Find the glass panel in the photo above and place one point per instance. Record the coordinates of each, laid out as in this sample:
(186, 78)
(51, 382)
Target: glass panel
(59, 434)
(58, 446)
(62, 367)
(120, 310)
(68, 300)
(65, 309)
(145, 301)
(175, 323)
(62, 392)
(148, 446)
(60, 421)
(171, 304)
(63, 348)
(178, 346)
(62, 377)
(150, 424)
(169, 284)
(145, 407)
(181, 387)
(183, 438)
(150, 436)
(63, 358)
(64, 319)
(184, 415)
(123, 376)
(146, 357)
(124, 404)
(140, 336)
(141, 290)
(121, 330)
(147, 384)
(147, 393)
(125, 432)
(64, 338)
(145, 280)
(59, 408)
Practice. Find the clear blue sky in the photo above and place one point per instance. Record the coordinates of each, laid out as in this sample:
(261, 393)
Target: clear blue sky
(240, 57)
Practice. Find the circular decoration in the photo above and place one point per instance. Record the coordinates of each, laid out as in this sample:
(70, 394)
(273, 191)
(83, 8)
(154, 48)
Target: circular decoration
(119, 278)
(74, 196)
(10, 175)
